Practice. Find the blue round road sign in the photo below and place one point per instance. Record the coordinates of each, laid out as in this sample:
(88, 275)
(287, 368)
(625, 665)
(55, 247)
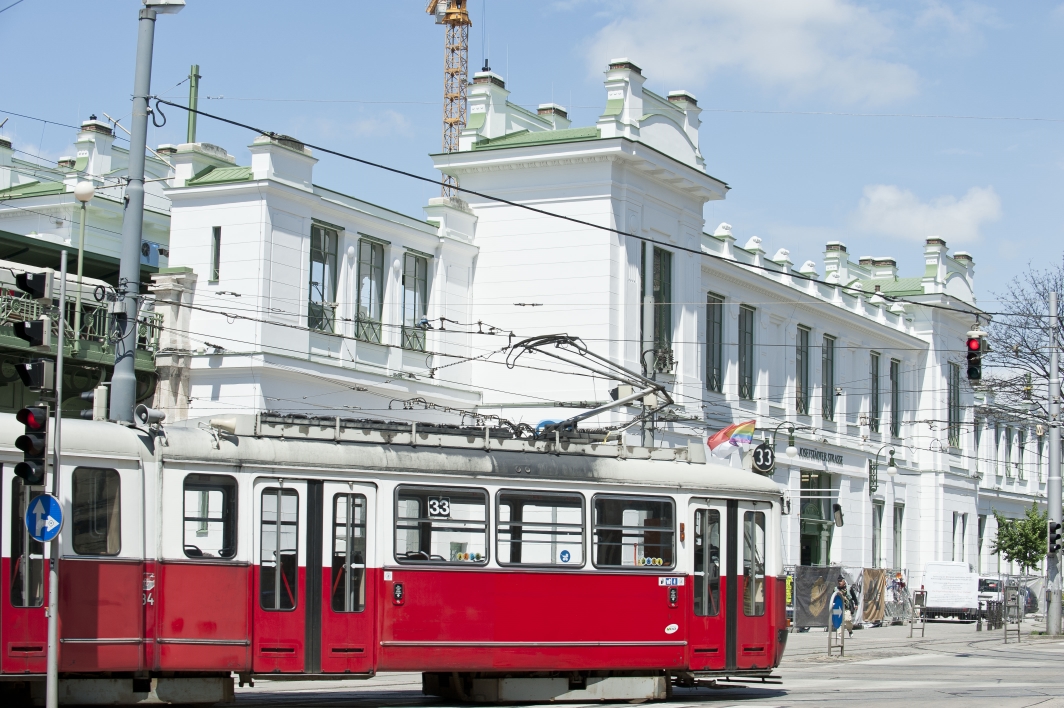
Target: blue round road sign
(44, 518)
(836, 611)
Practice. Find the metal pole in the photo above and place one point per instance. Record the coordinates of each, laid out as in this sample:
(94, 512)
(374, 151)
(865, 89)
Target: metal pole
(193, 102)
(52, 685)
(124, 379)
(77, 296)
(1053, 499)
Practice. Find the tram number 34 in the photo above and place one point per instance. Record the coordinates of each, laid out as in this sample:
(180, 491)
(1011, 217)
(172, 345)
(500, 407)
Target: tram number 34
(148, 595)
(439, 507)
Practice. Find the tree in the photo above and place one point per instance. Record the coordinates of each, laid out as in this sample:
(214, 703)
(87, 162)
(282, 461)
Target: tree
(1018, 337)
(1022, 541)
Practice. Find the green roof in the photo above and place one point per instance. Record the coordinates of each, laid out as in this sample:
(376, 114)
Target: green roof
(33, 189)
(893, 286)
(220, 175)
(545, 137)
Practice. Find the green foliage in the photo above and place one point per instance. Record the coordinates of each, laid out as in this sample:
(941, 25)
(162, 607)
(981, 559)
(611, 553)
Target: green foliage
(1024, 540)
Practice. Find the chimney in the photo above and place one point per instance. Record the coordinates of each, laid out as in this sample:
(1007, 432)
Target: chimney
(836, 263)
(189, 159)
(624, 100)
(282, 159)
(686, 102)
(557, 115)
(5, 162)
(884, 268)
(934, 263)
(487, 97)
(93, 147)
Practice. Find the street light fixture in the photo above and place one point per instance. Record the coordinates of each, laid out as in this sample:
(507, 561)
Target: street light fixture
(83, 192)
(873, 469)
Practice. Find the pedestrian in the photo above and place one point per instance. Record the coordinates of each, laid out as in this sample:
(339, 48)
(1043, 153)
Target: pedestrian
(849, 603)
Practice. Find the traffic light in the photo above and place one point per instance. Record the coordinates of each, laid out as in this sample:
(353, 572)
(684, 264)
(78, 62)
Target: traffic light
(39, 287)
(36, 285)
(1054, 537)
(974, 346)
(37, 375)
(34, 445)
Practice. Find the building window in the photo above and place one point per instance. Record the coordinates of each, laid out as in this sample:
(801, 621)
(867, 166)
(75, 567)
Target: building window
(873, 397)
(441, 525)
(895, 398)
(746, 352)
(714, 342)
(370, 291)
(321, 314)
(996, 452)
(754, 563)
(97, 512)
(349, 553)
(979, 548)
(27, 555)
(707, 563)
(877, 534)
(815, 517)
(537, 528)
(827, 379)
(954, 404)
(1041, 451)
(801, 371)
(960, 529)
(633, 532)
(899, 526)
(977, 433)
(415, 300)
(1008, 451)
(662, 294)
(210, 516)
(216, 253)
(279, 549)
(1021, 444)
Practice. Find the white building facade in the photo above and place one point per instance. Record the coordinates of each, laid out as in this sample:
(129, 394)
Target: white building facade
(294, 298)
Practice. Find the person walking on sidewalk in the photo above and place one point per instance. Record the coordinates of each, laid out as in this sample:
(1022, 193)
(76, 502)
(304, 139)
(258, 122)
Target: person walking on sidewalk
(849, 604)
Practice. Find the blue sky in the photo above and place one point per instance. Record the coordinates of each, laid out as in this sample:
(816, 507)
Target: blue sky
(366, 78)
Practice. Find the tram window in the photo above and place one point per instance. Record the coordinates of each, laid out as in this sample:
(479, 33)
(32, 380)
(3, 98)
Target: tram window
(279, 591)
(633, 532)
(27, 555)
(97, 512)
(540, 529)
(754, 563)
(349, 553)
(210, 516)
(707, 562)
(441, 525)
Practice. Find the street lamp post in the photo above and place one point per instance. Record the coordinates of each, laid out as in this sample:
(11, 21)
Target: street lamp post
(83, 192)
(124, 379)
(873, 469)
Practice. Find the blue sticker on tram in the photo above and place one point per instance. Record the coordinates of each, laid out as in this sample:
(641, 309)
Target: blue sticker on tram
(564, 555)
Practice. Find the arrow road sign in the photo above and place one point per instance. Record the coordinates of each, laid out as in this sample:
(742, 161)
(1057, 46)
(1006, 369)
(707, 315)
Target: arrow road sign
(44, 518)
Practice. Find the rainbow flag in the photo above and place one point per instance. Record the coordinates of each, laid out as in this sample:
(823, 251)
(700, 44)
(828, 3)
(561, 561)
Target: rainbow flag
(724, 442)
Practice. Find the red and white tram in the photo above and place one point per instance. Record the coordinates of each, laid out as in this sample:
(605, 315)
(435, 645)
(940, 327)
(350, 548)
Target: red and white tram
(499, 567)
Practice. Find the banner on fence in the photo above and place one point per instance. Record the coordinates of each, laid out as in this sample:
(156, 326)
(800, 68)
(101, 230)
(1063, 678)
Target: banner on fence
(813, 586)
(875, 591)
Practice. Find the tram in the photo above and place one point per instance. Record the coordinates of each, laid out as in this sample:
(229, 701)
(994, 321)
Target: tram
(502, 568)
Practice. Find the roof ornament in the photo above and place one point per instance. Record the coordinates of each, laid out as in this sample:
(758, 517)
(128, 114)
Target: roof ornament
(754, 244)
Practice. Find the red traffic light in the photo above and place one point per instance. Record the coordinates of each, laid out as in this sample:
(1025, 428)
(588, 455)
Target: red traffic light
(974, 344)
(33, 418)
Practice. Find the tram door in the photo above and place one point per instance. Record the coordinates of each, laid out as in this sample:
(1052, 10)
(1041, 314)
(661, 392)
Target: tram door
(753, 597)
(313, 599)
(707, 624)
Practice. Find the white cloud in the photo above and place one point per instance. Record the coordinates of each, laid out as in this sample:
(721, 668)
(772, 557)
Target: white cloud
(888, 210)
(830, 47)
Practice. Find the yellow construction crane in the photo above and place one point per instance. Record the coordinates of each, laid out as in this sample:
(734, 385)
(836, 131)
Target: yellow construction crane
(455, 16)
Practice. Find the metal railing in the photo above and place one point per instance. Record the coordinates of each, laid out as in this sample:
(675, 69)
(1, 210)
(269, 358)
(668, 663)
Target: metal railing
(413, 338)
(95, 319)
(368, 330)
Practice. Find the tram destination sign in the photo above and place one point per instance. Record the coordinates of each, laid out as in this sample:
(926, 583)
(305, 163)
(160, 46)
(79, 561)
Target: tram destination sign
(828, 457)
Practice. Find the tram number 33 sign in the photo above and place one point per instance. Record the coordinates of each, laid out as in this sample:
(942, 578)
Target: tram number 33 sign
(764, 458)
(439, 507)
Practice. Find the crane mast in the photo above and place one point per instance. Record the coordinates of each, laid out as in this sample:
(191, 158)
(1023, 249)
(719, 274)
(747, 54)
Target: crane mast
(455, 16)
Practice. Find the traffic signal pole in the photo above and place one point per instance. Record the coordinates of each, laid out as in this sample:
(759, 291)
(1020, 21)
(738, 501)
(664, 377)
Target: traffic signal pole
(52, 679)
(1053, 498)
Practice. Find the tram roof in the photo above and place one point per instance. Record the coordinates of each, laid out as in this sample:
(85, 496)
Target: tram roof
(300, 449)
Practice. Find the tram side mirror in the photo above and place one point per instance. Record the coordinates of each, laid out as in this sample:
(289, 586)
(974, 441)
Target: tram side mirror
(836, 510)
(148, 416)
